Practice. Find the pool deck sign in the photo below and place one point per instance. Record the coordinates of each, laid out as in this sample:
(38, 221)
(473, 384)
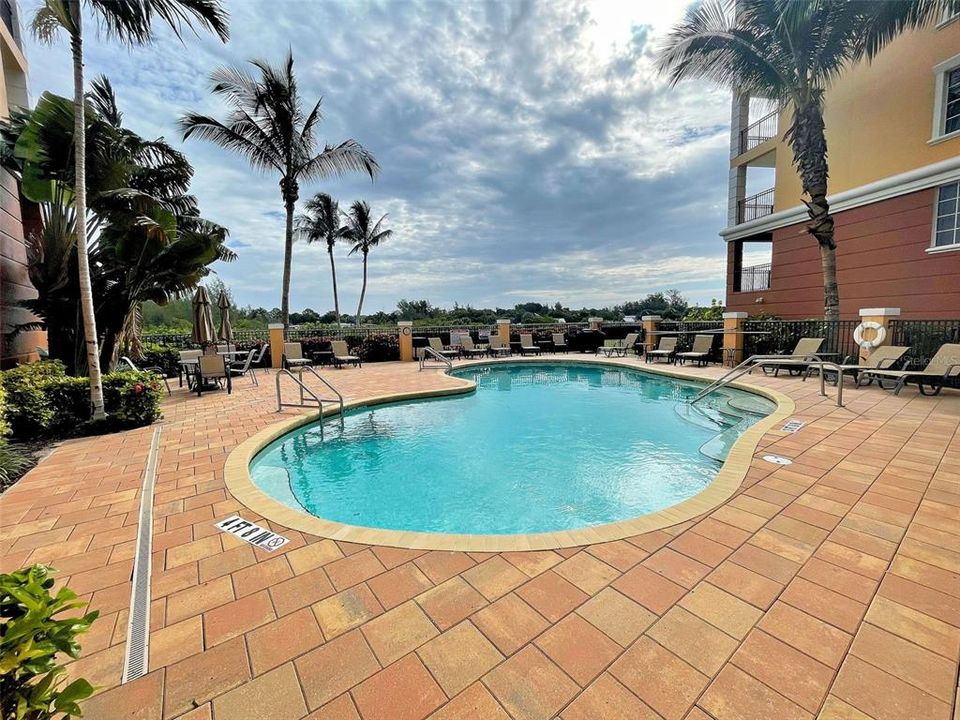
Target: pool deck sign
(252, 533)
(793, 425)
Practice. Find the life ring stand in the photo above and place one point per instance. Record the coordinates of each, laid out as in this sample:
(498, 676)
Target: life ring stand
(879, 337)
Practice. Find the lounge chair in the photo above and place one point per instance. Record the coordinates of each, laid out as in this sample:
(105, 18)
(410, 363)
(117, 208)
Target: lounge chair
(341, 354)
(559, 342)
(293, 356)
(943, 366)
(437, 346)
(882, 358)
(666, 349)
(244, 367)
(528, 346)
(804, 347)
(211, 368)
(498, 347)
(258, 358)
(618, 348)
(702, 345)
(471, 350)
(154, 369)
(188, 362)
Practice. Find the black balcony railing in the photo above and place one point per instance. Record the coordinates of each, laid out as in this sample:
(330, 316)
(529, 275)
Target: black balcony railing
(759, 132)
(754, 278)
(755, 206)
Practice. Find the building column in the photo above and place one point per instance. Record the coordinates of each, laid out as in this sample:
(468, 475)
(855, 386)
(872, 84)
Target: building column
(733, 337)
(883, 316)
(737, 182)
(503, 330)
(595, 323)
(276, 344)
(650, 325)
(405, 333)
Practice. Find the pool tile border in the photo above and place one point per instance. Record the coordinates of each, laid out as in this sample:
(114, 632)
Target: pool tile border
(727, 481)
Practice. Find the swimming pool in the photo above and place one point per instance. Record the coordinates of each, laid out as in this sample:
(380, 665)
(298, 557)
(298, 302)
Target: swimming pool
(539, 447)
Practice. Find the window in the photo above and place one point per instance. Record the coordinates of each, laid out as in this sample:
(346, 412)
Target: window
(951, 120)
(946, 111)
(947, 229)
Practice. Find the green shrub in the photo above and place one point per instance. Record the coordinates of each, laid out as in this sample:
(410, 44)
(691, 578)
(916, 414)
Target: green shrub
(12, 463)
(4, 425)
(132, 399)
(29, 410)
(165, 357)
(31, 637)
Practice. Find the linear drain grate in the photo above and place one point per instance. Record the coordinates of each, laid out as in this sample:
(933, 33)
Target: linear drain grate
(135, 663)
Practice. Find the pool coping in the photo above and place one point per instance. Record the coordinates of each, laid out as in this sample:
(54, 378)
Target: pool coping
(724, 485)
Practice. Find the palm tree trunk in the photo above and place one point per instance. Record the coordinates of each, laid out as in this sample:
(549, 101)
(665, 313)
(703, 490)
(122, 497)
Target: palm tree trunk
(810, 156)
(336, 298)
(363, 288)
(287, 263)
(80, 203)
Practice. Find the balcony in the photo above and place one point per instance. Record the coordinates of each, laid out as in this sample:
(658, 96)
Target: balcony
(759, 132)
(754, 278)
(755, 206)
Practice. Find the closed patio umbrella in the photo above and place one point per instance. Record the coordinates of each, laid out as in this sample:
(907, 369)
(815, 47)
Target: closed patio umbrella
(226, 331)
(203, 330)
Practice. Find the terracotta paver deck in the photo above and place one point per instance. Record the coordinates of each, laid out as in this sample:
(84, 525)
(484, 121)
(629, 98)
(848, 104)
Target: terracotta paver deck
(827, 588)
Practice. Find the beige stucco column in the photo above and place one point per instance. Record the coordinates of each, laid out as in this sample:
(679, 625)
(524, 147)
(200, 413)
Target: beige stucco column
(276, 344)
(733, 337)
(881, 316)
(650, 325)
(405, 331)
(503, 329)
(595, 323)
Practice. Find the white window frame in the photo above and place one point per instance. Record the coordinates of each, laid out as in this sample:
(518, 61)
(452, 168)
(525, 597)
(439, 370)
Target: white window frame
(934, 248)
(940, 73)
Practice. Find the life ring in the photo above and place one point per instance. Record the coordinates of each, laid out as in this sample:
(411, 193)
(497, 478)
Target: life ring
(879, 337)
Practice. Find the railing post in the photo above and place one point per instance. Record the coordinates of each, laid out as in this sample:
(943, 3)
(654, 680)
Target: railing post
(733, 337)
(503, 330)
(882, 316)
(405, 332)
(650, 324)
(276, 344)
(595, 323)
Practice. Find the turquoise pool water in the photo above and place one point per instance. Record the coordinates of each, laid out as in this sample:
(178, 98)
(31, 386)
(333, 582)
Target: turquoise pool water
(537, 448)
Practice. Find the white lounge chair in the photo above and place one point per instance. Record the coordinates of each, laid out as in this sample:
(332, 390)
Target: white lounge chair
(700, 352)
(293, 355)
(341, 354)
(527, 345)
(666, 349)
(805, 347)
(943, 366)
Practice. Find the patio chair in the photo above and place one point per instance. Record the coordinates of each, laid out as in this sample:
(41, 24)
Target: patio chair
(943, 366)
(211, 369)
(437, 346)
(498, 347)
(700, 352)
(258, 360)
(153, 368)
(342, 356)
(226, 348)
(560, 342)
(805, 346)
(618, 348)
(471, 350)
(293, 355)
(188, 359)
(666, 349)
(528, 346)
(882, 358)
(244, 367)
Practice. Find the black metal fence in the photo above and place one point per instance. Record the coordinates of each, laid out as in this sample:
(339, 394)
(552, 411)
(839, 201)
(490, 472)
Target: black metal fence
(759, 132)
(766, 337)
(754, 278)
(755, 206)
(923, 337)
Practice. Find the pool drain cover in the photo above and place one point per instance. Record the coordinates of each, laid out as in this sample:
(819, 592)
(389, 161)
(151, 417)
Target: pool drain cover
(778, 460)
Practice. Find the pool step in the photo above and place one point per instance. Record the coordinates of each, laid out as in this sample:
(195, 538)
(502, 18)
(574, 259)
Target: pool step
(717, 448)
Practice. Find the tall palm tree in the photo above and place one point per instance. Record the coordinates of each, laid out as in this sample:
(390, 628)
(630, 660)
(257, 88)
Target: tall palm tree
(791, 51)
(268, 125)
(321, 223)
(364, 234)
(131, 22)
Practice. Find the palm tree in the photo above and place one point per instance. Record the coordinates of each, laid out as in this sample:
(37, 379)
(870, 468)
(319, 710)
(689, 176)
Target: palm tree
(321, 222)
(267, 125)
(364, 234)
(131, 22)
(790, 52)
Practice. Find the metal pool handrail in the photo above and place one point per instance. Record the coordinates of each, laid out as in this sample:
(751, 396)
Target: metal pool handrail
(304, 389)
(435, 355)
(755, 361)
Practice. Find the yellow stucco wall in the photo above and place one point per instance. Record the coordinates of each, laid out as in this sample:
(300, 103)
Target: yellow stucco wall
(879, 116)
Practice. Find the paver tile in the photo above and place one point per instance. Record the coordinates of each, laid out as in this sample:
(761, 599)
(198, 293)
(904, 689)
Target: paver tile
(551, 595)
(838, 610)
(458, 657)
(881, 695)
(617, 615)
(346, 610)
(474, 703)
(398, 632)
(721, 609)
(494, 578)
(403, 691)
(399, 585)
(587, 572)
(580, 649)
(735, 695)
(806, 633)
(509, 623)
(606, 698)
(648, 588)
(530, 686)
(450, 602)
(924, 630)
(237, 617)
(281, 640)
(335, 667)
(677, 567)
(693, 640)
(202, 677)
(659, 678)
(275, 695)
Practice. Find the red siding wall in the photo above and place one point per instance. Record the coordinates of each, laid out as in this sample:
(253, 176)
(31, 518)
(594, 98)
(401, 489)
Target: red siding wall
(881, 262)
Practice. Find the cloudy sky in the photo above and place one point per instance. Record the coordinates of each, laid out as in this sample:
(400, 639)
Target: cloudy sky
(530, 152)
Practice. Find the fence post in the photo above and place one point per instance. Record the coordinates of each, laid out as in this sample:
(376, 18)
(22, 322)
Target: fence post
(882, 316)
(276, 344)
(650, 324)
(595, 323)
(503, 330)
(733, 337)
(405, 333)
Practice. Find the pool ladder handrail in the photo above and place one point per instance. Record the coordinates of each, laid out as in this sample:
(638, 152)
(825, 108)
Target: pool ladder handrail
(429, 351)
(304, 389)
(759, 361)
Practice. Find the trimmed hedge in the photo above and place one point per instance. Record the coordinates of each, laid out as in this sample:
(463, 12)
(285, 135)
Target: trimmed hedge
(42, 400)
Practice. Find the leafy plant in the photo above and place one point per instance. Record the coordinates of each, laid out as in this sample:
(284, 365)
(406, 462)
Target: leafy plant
(12, 463)
(31, 638)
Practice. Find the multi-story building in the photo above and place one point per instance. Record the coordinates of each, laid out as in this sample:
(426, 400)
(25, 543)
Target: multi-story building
(14, 280)
(893, 133)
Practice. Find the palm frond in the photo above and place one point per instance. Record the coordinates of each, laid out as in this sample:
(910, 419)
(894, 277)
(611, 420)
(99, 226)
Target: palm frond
(241, 138)
(50, 18)
(348, 156)
(104, 100)
(130, 21)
